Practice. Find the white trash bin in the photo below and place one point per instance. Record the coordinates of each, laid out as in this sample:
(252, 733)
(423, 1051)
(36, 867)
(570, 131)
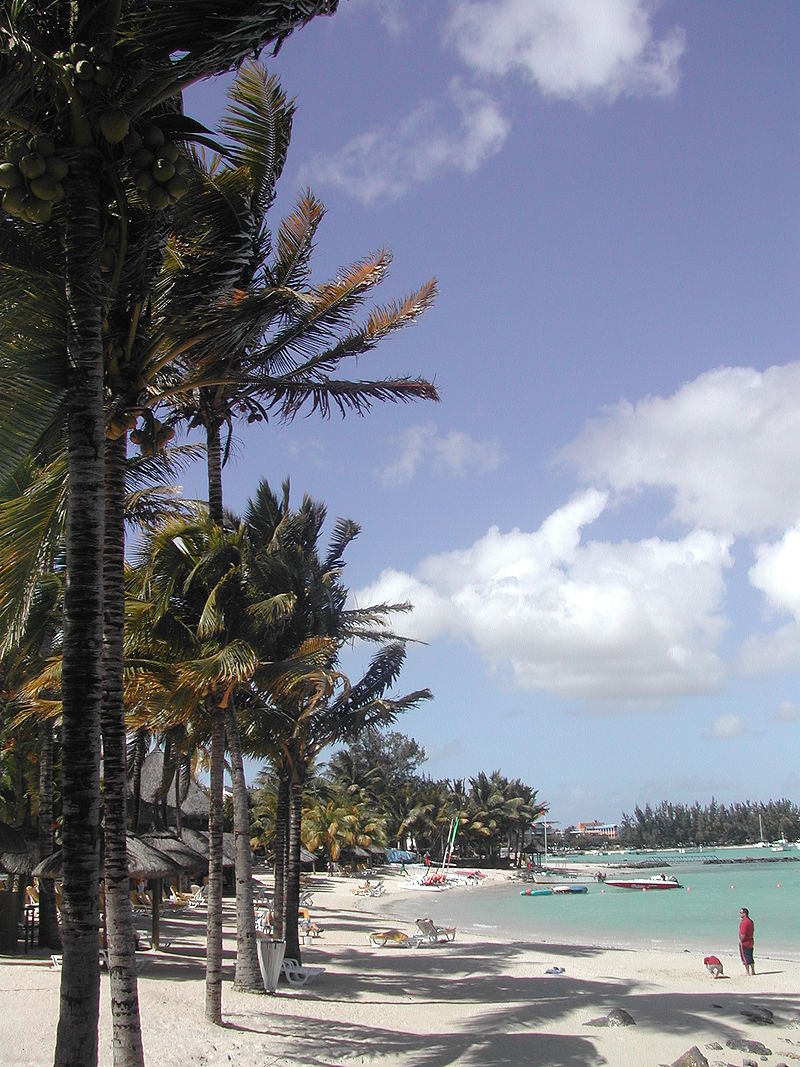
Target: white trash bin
(270, 960)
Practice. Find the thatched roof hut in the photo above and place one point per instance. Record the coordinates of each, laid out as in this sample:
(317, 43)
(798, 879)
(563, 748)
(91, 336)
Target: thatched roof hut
(198, 840)
(11, 840)
(194, 808)
(178, 851)
(144, 861)
(16, 862)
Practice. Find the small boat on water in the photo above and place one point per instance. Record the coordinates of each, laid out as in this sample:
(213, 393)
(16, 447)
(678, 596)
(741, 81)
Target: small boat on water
(656, 881)
(559, 877)
(550, 890)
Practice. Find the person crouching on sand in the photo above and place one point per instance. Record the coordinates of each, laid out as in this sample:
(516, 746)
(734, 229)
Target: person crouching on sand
(713, 966)
(746, 929)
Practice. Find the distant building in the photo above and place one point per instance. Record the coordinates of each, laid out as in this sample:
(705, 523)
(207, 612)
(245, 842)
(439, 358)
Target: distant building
(595, 828)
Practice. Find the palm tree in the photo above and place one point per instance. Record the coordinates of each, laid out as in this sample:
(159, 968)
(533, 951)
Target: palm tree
(298, 700)
(157, 49)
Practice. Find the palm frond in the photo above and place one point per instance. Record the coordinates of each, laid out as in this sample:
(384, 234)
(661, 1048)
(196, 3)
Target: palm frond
(259, 122)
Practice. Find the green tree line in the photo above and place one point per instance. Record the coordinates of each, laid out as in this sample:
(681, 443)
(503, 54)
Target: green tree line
(671, 825)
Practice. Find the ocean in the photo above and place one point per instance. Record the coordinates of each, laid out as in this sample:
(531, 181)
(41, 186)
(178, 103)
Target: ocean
(703, 916)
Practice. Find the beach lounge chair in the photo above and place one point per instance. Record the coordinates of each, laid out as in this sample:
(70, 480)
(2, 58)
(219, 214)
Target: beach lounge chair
(395, 937)
(200, 897)
(434, 933)
(57, 961)
(297, 975)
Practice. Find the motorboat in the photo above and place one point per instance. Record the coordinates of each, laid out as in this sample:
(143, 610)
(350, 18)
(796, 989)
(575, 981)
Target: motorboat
(556, 876)
(550, 890)
(656, 881)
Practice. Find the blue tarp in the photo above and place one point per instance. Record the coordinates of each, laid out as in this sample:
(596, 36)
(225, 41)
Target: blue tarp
(399, 855)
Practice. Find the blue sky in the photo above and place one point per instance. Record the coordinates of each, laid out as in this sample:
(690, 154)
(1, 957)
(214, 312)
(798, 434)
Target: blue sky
(599, 525)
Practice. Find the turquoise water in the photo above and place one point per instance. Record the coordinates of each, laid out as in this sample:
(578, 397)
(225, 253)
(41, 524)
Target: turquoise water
(703, 916)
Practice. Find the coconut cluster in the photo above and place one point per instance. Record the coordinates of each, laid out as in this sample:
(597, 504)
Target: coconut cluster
(152, 436)
(87, 68)
(31, 176)
(157, 168)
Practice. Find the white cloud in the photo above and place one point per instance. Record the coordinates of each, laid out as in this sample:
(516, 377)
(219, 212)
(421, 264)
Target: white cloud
(776, 572)
(570, 49)
(787, 712)
(456, 134)
(591, 619)
(455, 454)
(725, 446)
(726, 726)
(770, 653)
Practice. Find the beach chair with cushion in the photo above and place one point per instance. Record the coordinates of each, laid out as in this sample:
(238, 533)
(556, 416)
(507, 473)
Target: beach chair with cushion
(392, 936)
(297, 975)
(434, 933)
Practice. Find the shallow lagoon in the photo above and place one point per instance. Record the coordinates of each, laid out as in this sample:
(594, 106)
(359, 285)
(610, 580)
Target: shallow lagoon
(702, 917)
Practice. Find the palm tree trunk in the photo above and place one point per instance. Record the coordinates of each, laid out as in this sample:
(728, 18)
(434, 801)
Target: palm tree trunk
(49, 935)
(214, 914)
(136, 786)
(292, 900)
(126, 1027)
(178, 818)
(281, 850)
(214, 468)
(248, 973)
(76, 1040)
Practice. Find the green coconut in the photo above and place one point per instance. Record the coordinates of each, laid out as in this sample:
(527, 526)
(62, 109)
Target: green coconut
(158, 198)
(153, 136)
(39, 211)
(177, 186)
(57, 168)
(142, 157)
(79, 50)
(84, 70)
(132, 142)
(33, 165)
(16, 151)
(169, 151)
(44, 144)
(114, 125)
(15, 201)
(144, 180)
(163, 170)
(10, 176)
(47, 188)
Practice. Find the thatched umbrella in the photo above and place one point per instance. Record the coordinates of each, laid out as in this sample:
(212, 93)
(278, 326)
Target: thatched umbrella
(20, 862)
(11, 840)
(144, 862)
(188, 859)
(198, 840)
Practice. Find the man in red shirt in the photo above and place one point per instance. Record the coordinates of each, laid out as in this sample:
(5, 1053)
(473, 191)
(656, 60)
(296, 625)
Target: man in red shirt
(746, 929)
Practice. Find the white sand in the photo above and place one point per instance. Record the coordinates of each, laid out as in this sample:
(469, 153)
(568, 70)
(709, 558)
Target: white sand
(467, 1002)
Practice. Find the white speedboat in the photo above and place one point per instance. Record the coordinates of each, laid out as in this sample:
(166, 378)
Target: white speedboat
(656, 881)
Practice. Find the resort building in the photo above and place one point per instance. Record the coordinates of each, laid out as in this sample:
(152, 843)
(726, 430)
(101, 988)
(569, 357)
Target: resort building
(595, 828)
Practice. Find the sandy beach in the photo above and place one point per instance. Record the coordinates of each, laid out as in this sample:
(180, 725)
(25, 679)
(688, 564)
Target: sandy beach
(471, 1001)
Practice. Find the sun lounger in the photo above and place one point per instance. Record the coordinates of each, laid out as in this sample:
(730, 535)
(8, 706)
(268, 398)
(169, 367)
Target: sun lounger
(434, 933)
(200, 897)
(56, 961)
(297, 975)
(395, 937)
